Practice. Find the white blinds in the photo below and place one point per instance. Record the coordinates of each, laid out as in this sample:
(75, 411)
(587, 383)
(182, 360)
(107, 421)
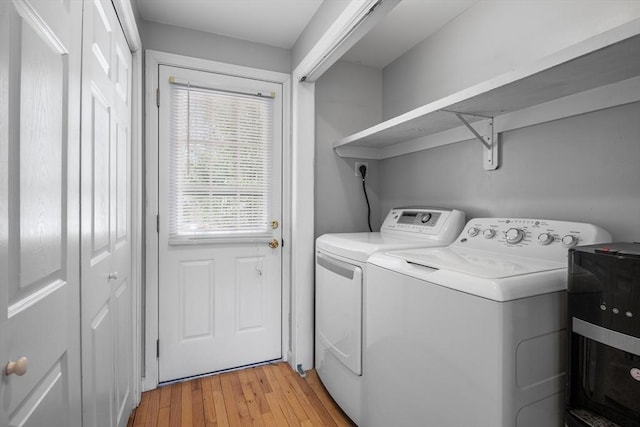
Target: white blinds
(220, 159)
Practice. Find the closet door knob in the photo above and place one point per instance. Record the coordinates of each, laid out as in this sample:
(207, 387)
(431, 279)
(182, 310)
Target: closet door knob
(19, 367)
(113, 275)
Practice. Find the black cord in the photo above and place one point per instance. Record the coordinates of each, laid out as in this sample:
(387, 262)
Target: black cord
(368, 206)
(363, 172)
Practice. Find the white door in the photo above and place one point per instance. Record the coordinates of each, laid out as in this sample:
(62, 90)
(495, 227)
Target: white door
(220, 144)
(107, 325)
(39, 242)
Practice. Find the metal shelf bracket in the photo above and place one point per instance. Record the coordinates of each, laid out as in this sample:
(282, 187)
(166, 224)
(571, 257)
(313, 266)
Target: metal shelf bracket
(488, 138)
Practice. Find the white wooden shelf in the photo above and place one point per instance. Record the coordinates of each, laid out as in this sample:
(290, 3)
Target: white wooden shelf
(598, 73)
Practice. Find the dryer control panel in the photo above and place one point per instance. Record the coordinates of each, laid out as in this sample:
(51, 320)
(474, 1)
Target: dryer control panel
(536, 238)
(423, 222)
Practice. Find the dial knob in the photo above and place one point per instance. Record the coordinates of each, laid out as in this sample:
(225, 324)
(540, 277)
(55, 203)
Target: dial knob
(545, 238)
(425, 218)
(514, 235)
(569, 241)
(488, 233)
(473, 231)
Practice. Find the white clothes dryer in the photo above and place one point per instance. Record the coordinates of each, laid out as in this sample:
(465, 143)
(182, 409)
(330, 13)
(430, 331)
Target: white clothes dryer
(341, 283)
(473, 334)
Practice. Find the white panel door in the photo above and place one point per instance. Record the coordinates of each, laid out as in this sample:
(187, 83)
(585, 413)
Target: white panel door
(39, 206)
(107, 323)
(219, 298)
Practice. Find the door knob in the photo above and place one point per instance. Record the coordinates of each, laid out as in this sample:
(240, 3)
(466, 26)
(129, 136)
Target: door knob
(274, 244)
(113, 275)
(19, 367)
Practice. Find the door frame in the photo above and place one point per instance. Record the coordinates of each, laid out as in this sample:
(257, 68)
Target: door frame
(129, 26)
(150, 292)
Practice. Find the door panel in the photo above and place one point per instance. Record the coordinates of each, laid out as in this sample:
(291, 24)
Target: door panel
(98, 408)
(106, 254)
(39, 246)
(219, 299)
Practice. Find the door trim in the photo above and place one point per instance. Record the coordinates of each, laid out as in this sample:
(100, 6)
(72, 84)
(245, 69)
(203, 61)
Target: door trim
(150, 292)
(129, 25)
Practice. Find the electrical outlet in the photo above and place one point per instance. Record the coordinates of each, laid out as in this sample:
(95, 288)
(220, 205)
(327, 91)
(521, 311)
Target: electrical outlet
(357, 168)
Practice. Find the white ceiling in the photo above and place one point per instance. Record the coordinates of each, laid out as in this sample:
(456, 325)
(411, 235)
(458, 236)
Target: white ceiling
(280, 22)
(271, 22)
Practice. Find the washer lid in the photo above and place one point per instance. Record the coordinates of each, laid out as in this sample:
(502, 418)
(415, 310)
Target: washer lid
(476, 263)
(359, 246)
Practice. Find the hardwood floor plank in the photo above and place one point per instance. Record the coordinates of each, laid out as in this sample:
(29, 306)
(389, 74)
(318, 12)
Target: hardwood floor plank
(264, 382)
(254, 383)
(187, 415)
(240, 400)
(269, 420)
(164, 416)
(276, 411)
(271, 395)
(218, 401)
(207, 402)
(281, 409)
(197, 404)
(230, 401)
(250, 398)
(176, 405)
(165, 396)
(288, 393)
(141, 412)
(153, 409)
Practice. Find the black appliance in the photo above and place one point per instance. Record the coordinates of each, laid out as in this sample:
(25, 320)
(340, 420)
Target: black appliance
(603, 375)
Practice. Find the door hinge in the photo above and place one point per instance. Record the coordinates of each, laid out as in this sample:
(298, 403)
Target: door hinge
(158, 349)
(157, 223)
(282, 243)
(158, 97)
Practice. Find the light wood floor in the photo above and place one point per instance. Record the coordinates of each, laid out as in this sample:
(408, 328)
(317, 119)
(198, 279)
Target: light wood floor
(269, 395)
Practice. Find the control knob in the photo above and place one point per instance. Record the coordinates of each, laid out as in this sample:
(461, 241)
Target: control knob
(545, 238)
(569, 241)
(473, 231)
(488, 233)
(425, 218)
(514, 235)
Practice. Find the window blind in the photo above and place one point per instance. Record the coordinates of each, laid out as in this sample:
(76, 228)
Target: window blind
(220, 163)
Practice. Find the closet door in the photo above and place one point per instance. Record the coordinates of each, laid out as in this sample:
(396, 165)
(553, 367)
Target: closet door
(107, 326)
(39, 206)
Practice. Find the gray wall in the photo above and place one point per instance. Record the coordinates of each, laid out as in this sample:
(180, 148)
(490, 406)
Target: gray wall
(199, 44)
(492, 38)
(584, 168)
(347, 100)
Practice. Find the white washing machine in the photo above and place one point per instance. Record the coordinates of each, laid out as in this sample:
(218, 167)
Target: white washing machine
(472, 334)
(341, 282)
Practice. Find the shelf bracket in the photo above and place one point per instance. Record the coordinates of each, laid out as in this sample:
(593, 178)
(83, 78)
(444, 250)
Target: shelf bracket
(490, 160)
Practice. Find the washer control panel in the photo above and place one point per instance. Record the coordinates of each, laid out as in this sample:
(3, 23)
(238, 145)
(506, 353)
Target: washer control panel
(538, 238)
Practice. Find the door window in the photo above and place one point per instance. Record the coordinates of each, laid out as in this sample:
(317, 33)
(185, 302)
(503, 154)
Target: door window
(220, 163)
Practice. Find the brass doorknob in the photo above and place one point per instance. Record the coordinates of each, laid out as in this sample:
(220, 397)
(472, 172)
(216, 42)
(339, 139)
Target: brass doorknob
(19, 367)
(113, 275)
(274, 244)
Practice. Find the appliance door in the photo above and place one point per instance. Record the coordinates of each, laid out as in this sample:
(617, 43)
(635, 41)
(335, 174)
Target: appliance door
(339, 309)
(605, 374)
